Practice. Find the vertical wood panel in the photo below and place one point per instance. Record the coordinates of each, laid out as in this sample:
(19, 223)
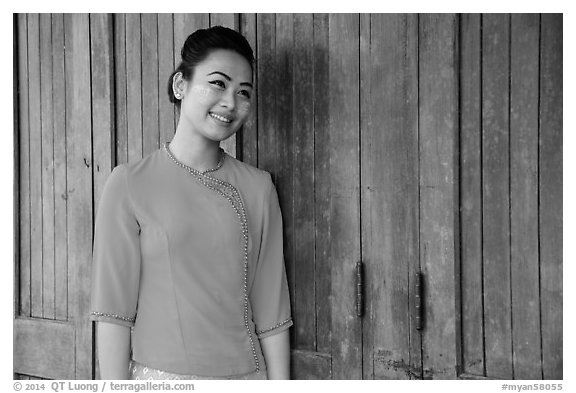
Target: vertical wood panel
(150, 83)
(60, 210)
(35, 111)
(344, 193)
(134, 110)
(322, 184)
(284, 140)
(120, 84)
(24, 168)
(303, 158)
(438, 127)
(471, 196)
(184, 25)
(524, 196)
(390, 192)
(249, 134)
(46, 77)
(16, 105)
(102, 100)
(79, 180)
(267, 77)
(496, 183)
(550, 181)
(165, 68)
(231, 21)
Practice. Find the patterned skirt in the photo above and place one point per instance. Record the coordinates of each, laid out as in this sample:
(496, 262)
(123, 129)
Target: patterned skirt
(138, 371)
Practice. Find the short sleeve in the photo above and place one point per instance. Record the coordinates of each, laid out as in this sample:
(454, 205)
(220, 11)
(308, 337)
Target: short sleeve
(269, 294)
(116, 254)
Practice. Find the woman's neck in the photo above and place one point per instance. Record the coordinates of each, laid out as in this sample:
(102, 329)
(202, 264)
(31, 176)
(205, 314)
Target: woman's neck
(195, 151)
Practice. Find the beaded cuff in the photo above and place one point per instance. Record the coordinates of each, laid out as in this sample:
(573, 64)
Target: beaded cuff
(115, 316)
(259, 332)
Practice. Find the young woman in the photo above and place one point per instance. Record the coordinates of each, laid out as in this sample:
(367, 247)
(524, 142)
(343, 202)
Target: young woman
(188, 275)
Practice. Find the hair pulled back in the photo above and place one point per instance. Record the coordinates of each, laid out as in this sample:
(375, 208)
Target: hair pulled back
(201, 43)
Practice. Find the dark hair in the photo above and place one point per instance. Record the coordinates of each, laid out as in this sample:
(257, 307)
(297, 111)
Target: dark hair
(201, 43)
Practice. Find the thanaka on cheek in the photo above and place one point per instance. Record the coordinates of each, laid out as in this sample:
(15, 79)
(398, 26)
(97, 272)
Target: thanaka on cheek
(202, 93)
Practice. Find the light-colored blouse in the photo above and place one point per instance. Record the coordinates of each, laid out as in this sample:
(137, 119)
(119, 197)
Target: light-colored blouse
(193, 262)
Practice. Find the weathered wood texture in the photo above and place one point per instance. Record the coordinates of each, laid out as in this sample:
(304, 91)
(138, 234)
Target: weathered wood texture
(472, 305)
(356, 118)
(550, 194)
(524, 253)
(511, 107)
(389, 164)
(438, 169)
(495, 189)
(79, 183)
(344, 213)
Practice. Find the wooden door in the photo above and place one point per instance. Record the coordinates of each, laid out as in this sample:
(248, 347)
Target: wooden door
(52, 336)
(409, 201)
(511, 196)
(308, 139)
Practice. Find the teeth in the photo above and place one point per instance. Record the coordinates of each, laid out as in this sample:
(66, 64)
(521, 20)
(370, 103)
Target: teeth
(221, 118)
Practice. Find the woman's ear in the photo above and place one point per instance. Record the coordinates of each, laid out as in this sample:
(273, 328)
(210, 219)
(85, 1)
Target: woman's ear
(178, 85)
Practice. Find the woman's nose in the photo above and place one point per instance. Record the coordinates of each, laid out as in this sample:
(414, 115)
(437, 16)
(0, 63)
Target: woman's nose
(228, 99)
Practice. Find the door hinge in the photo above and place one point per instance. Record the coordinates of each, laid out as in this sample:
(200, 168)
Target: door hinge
(419, 301)
(359, 289)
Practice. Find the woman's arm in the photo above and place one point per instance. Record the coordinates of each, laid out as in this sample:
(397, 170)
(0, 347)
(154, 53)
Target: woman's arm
(276, 351)
(113, 350)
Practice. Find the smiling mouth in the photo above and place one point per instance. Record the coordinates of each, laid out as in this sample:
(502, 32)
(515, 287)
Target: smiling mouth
(220, 118)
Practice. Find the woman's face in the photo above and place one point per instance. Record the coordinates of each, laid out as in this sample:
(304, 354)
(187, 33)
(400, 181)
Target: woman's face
(216, 101)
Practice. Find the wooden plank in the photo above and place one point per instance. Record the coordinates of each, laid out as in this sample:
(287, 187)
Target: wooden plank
(35, 122)
(310, 365)
(284, 140)
(16, 60)
(412, 171)
(390, 194)
(150, 91)
(165, 68)
(550, 198)
(184, 25)
(495, 189)
(471, 196)
(322, 185)
(267, 78)
(370, 280)
(79, 182)
(102, 63)
(134, 110)
(47, 123)
(344, 193)
(525, 282)
(231, 21)
(248, 137)
(121, 86)
(303, 184)
(438, 128)
(60, 190)
(23, 170)
(44, 348)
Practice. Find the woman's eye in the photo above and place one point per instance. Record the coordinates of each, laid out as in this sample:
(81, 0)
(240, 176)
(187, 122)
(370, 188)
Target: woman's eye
(218, 83)
(244, 93)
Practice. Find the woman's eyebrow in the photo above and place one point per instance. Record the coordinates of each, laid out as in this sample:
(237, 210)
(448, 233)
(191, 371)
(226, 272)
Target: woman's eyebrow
(229, 79)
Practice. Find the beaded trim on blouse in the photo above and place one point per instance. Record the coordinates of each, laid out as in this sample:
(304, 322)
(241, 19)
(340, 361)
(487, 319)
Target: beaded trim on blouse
(273, 327)
(116, 316)
(230, 193)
